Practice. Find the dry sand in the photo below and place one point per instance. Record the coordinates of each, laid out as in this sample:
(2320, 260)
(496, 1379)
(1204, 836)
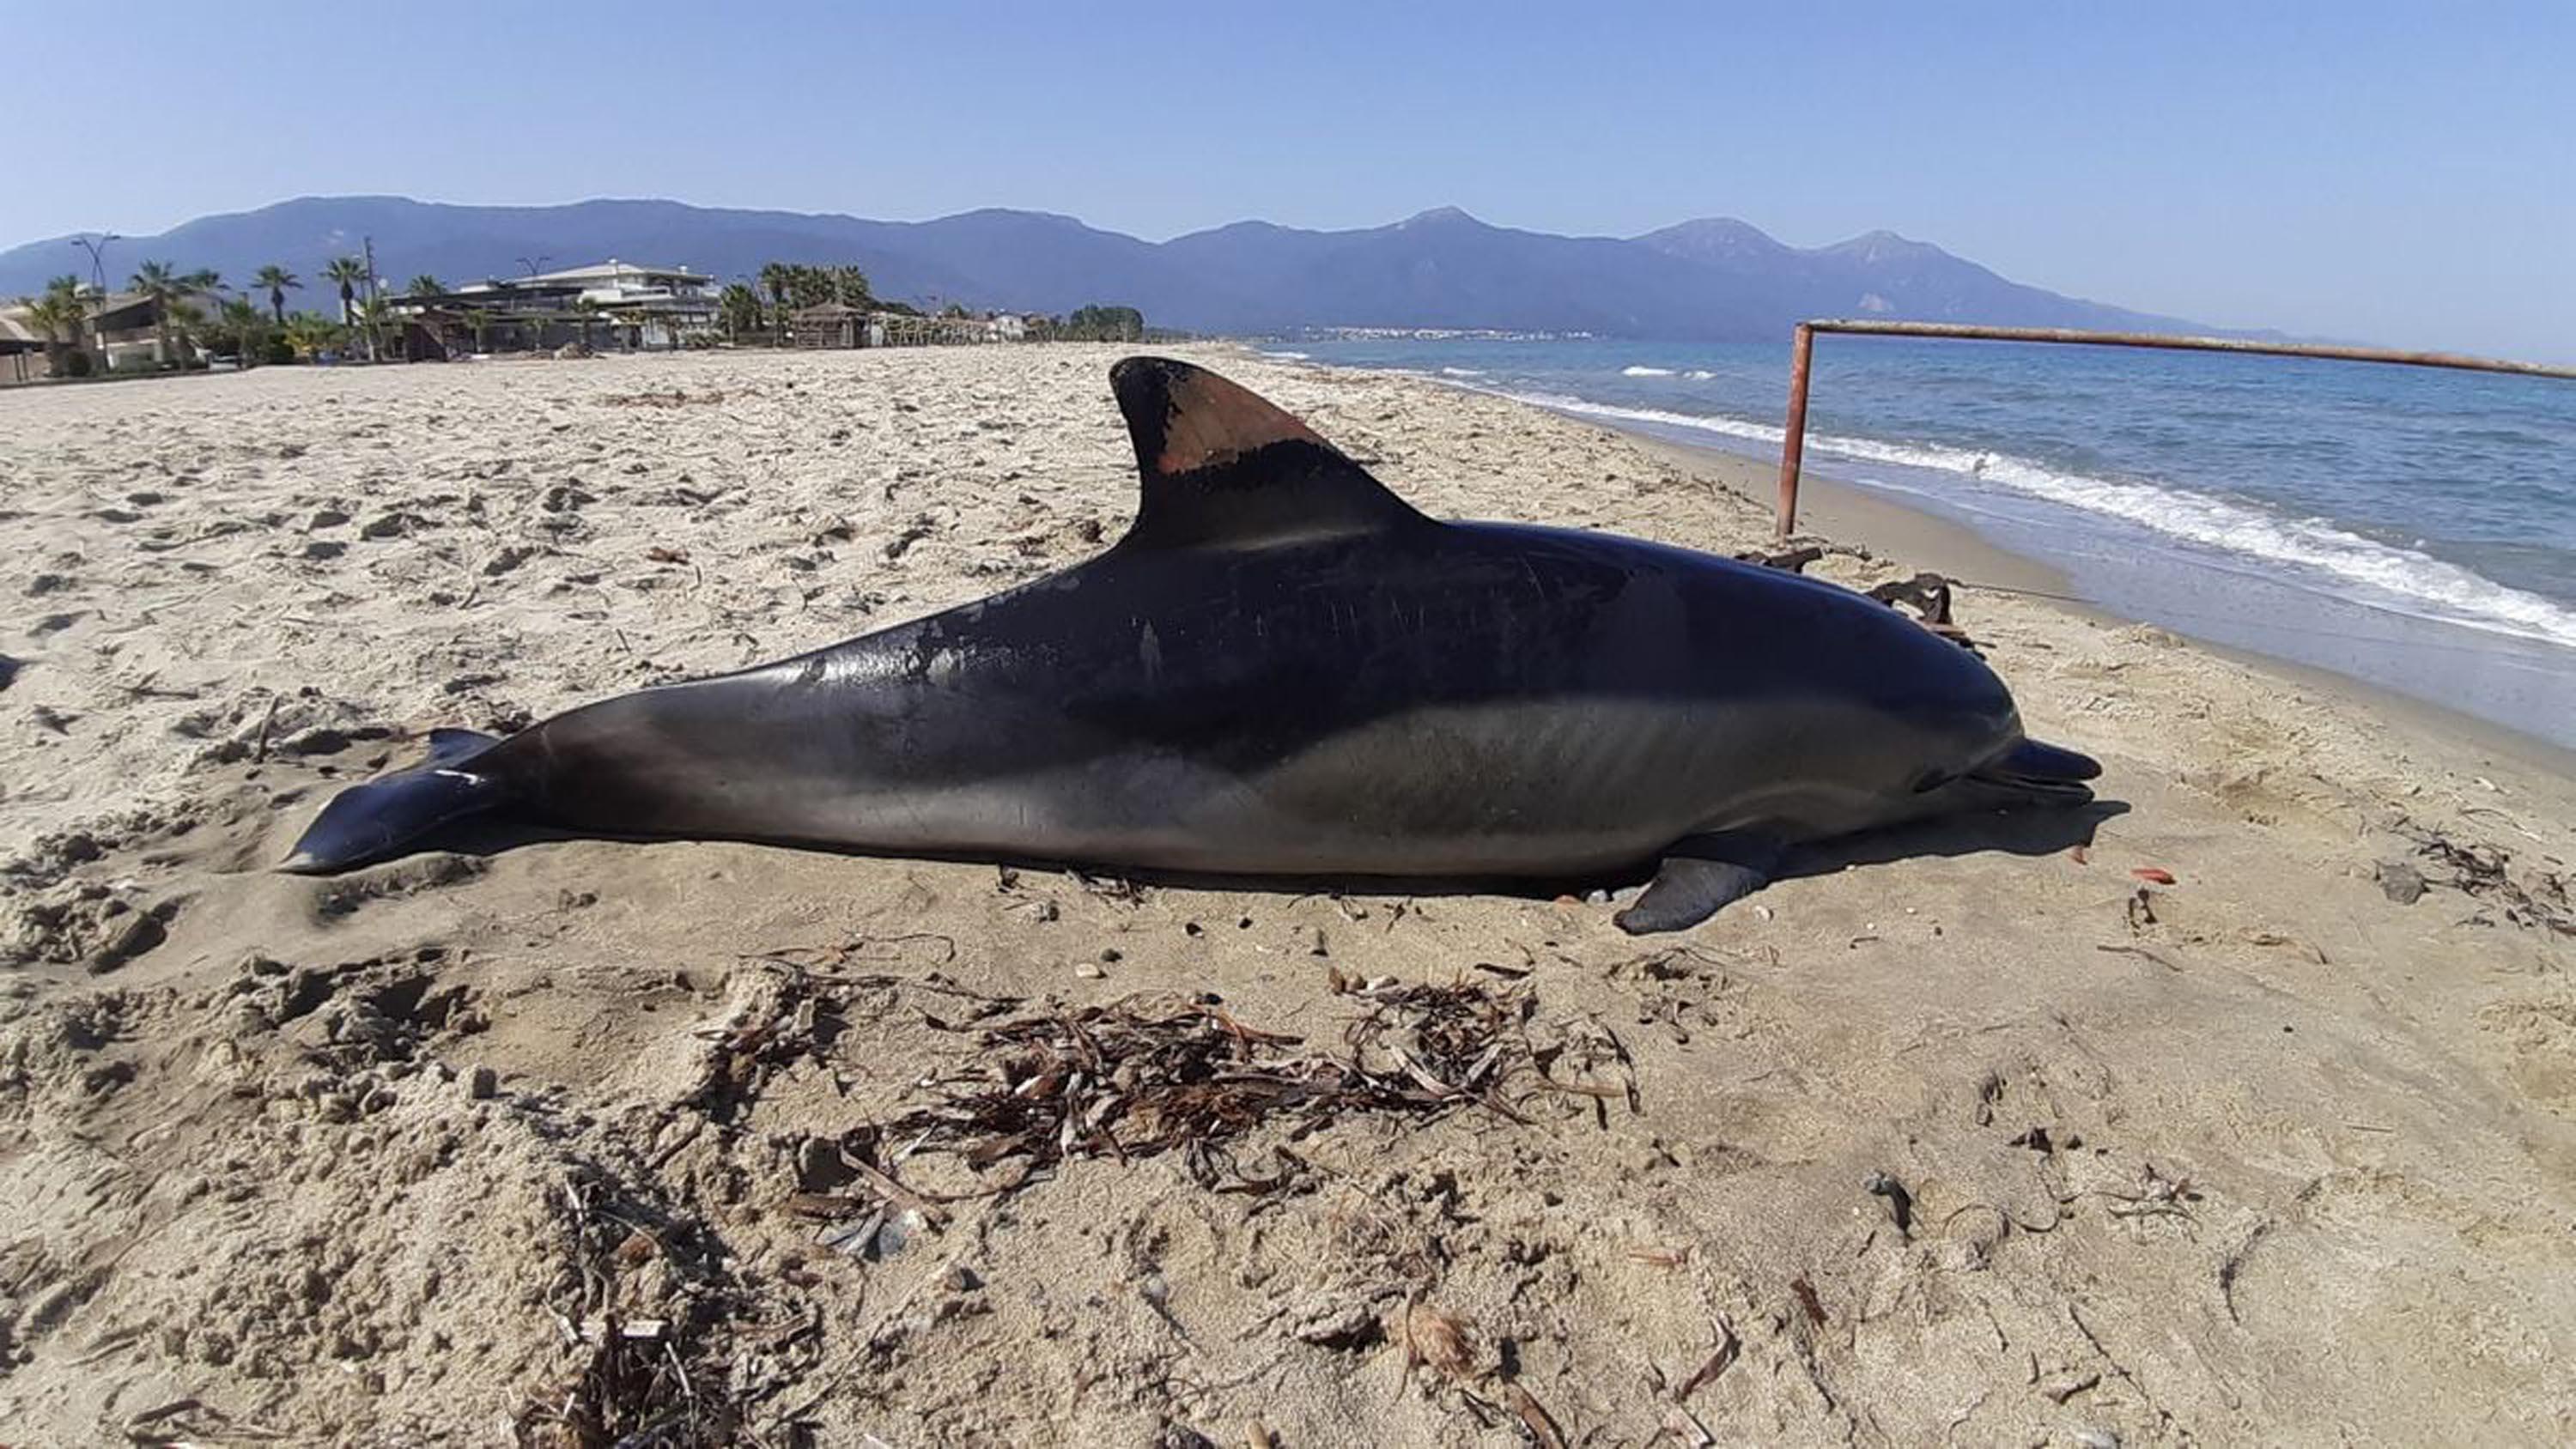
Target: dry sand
(453, 1148)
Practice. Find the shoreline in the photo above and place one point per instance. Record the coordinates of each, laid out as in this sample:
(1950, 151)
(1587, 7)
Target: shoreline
(1847, 512)
(1843, 511)
(2512, 690)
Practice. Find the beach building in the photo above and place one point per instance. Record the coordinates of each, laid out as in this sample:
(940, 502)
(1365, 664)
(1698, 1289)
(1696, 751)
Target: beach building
(631, 305)
(122, 333)
(23, 353)
(832, 324)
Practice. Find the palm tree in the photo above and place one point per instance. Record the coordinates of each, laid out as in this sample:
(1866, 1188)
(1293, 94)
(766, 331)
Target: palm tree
(310, 332)
(741, 308)
(424, 285)
(480, 320)
(774, 278)
(206, 283)
(349, 272)
(277, 279)
(58, 313)
(53, 317)
(242, 318)
(163, 288)
(188, 323)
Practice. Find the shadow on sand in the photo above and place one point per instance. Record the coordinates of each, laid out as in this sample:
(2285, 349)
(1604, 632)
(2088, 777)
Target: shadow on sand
(2030, 831)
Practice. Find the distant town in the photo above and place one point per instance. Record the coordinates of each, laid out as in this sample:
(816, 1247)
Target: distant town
(168, 320)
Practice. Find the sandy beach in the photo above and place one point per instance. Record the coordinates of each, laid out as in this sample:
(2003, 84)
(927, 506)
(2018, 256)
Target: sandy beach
(2251, 1119)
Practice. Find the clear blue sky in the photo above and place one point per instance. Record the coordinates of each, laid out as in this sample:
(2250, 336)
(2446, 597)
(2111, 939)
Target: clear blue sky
(2396, 173)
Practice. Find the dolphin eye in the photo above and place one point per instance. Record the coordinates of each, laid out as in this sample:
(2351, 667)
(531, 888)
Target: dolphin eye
(1931, 780)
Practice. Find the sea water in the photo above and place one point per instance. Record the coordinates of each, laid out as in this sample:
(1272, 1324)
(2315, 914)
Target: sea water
(2409, 527)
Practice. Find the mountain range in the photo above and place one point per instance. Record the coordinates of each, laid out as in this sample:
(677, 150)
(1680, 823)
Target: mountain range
(1709, 280)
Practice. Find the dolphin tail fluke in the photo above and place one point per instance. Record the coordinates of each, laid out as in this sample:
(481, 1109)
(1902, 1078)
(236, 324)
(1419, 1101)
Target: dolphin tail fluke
(2040, 774)
(367, 822)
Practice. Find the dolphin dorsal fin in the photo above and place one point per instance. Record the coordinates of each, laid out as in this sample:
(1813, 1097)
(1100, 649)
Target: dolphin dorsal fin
(1220, 465)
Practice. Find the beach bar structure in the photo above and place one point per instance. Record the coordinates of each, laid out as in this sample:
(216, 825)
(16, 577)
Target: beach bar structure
(1802, 348)
(833, 324)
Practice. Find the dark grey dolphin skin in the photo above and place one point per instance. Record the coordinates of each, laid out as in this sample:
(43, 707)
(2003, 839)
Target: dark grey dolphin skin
(1284, 670)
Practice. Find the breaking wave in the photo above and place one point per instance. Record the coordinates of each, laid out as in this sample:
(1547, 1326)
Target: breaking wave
(1633, 371)
(2412, 581)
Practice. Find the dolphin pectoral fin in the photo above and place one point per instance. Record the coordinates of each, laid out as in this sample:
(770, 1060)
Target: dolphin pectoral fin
(1702, 876)
(1220, 465)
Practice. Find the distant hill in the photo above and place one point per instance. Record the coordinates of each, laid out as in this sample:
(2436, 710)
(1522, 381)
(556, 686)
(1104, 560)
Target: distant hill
(1716, 279)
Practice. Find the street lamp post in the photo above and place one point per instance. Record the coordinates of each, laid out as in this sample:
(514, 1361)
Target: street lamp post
(97, 249)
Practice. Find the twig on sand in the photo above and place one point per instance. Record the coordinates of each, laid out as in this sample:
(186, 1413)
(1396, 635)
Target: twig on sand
(1729, 1347)
(259, 751)
(139, 1428)
(2230, 1270)
(2140, 951)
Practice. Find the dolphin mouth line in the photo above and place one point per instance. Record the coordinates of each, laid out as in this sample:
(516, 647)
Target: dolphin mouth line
(2035, 789)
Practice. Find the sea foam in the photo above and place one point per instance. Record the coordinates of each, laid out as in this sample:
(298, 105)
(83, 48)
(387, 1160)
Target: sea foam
(2404, 579)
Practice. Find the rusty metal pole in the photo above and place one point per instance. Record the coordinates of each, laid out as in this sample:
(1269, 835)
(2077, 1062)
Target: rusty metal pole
(1793, 434)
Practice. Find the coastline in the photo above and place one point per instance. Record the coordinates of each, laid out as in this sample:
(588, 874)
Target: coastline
(1833, 508)
(2322, 590)
(2019, 1129)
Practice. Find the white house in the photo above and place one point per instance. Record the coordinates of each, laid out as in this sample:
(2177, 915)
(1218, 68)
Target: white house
(661, 304)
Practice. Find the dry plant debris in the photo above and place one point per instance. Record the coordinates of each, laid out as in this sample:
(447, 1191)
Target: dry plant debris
(675, 398)
(1160, 1073)
(2540, 900)
(633, 1388)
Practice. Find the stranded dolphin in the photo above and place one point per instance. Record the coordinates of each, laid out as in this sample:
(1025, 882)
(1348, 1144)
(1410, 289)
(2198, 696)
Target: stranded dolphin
(1284, 670)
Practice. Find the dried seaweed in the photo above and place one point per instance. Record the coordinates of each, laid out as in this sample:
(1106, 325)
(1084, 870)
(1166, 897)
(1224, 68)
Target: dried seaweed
(1160, 1073)
(2478, 871)
(675, 398)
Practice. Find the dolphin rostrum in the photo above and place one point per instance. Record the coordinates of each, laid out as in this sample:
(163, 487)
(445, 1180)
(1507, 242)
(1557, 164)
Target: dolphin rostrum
(1284, 670)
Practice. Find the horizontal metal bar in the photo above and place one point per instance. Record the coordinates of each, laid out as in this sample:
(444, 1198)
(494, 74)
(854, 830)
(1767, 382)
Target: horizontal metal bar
(2180, 343)
(1793, 438)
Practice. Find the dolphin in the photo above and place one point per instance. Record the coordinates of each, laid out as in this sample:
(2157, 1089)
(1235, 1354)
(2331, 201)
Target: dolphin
(1284, 670)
